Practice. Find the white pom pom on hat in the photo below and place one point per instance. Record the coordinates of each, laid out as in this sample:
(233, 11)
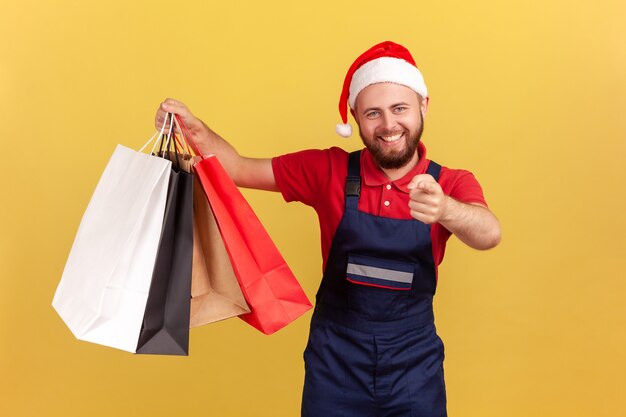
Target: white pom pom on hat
(384, 62)
(344, 130)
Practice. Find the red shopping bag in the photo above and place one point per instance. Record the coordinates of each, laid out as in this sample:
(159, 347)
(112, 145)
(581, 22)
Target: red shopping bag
(268, 285)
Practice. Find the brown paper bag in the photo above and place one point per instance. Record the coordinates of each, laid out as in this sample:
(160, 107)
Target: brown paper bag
(215, 291)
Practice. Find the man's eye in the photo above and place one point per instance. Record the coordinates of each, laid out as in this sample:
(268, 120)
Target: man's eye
(400, 109)
(372, 114)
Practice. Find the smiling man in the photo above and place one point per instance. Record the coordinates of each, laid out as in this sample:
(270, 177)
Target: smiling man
(385, 215)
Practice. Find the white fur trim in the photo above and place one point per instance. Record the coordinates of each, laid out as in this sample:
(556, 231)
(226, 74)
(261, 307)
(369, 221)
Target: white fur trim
(386, 69)
(344, 130)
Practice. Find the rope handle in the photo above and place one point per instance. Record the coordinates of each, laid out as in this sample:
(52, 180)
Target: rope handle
(156, 134)
(186, 134)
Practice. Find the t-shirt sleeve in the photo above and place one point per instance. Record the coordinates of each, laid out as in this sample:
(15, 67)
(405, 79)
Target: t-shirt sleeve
(462, 185)
(302, 176)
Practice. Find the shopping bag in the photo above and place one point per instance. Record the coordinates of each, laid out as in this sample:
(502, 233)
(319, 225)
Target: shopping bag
(165, 327)
(215, 291)
(103, 291)
(271, 290)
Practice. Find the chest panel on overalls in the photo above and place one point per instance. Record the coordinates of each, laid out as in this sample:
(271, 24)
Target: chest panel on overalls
(379, 269)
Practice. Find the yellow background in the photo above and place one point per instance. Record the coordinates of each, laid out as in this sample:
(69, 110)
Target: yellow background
(528, 95)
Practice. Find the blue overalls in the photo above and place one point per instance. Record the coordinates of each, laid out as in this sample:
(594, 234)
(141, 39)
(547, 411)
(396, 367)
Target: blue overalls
(373, 349)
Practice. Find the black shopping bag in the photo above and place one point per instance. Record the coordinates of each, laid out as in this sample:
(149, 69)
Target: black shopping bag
(165, 328)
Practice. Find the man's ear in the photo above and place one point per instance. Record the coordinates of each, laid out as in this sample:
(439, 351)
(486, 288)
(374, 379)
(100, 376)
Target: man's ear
(424, 105)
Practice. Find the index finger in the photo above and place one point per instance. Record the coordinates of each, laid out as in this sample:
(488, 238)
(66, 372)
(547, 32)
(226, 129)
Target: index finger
(420, 179)
(429, 187)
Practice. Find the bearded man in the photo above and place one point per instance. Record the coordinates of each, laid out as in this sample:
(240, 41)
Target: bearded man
(385, 213)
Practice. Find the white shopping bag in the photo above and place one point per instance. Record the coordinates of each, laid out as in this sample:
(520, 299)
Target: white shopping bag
(103, 291)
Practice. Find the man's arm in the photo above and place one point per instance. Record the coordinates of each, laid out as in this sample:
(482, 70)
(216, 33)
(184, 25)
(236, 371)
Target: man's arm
(473, 223)
(245, 172)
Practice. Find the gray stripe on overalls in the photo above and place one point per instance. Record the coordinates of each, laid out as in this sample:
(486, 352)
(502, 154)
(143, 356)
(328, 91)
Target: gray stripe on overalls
(380, 273)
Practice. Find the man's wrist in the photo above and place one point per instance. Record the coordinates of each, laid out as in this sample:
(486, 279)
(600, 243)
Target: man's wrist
(200, 133)
(448, 210)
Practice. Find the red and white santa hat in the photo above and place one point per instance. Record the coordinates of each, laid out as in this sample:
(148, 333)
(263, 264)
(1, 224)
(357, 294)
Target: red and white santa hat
(385, 62)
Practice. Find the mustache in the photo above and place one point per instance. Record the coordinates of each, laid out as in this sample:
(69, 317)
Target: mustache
(390, 132)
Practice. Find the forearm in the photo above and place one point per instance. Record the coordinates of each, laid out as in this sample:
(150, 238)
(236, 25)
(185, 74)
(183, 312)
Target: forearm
(210, 143)
(245, 172)
(473, 224)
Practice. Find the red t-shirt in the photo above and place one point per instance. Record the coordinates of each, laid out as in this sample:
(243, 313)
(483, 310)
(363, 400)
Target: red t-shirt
(317, 179)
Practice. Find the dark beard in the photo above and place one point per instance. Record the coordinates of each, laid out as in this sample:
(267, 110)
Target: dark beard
(395, 161)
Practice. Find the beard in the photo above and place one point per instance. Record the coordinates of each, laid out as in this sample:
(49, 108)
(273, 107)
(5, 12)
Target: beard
(394, 160)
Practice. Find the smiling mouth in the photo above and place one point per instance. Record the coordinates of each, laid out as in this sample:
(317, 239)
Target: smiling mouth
(391, 138)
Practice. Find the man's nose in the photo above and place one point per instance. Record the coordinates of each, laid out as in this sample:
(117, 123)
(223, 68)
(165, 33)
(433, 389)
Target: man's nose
(388, 121)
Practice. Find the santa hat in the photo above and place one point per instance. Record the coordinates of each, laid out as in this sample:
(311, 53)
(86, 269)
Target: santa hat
(385, 62)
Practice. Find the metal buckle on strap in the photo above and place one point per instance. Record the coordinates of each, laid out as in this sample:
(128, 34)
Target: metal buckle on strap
(353, 186)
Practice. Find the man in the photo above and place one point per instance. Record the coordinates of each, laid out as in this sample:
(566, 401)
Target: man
(385, 215)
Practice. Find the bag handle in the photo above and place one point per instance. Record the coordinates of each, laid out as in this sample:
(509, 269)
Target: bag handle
(156, 134)
(171, 141)
(184, 144)
(186, 134)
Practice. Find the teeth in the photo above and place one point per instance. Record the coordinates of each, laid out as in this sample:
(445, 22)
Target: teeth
(391, 138)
